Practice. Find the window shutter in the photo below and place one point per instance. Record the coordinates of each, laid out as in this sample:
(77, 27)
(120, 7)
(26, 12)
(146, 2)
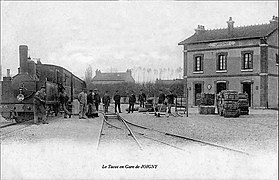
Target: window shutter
(251, 61)
(202, 63)
(242, 60)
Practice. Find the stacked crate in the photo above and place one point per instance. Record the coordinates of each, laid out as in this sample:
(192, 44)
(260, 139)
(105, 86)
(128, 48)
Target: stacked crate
(206, 105)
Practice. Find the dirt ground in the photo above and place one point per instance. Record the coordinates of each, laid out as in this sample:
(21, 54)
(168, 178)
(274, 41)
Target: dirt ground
(66, 149)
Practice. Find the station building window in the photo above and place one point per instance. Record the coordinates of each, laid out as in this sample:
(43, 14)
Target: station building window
(247, 60)
(198, 62)
(222, 61)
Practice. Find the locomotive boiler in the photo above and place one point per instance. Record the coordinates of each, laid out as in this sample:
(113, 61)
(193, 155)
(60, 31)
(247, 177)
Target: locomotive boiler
(18, 91)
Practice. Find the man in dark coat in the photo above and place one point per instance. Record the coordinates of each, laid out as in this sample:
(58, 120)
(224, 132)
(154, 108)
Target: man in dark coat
(40, 105)
(90, 103)
(142, 98)
(106, 101)
(116, 99)
(161, 97)
(97, 99)
(161, 102)
(64, 98)
(132, 101)
(170, 100)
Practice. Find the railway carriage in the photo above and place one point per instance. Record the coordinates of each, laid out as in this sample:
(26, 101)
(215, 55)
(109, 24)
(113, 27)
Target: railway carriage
(18, 91)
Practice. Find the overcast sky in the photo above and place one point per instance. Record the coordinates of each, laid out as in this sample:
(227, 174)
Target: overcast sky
(115, 35)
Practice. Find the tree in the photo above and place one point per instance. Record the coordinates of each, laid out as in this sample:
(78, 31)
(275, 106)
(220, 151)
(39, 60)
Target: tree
(88, 75)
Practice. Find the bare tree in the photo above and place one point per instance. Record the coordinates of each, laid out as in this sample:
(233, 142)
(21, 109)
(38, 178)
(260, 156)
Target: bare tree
(88, 74)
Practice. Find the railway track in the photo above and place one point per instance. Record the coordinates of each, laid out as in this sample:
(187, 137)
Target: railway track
(21, 126)
(142, 131)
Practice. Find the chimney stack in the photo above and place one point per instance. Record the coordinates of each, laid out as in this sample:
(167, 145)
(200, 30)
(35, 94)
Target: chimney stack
(129, 71)
(200, 29)
(98, 71)
(23, 56)
(230, 26)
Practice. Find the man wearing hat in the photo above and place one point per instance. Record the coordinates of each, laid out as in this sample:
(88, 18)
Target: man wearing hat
(97, 100)
(82, 98)
(40, 105)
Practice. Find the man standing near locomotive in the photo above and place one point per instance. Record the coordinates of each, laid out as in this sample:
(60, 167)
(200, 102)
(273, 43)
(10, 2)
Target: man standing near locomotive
(82, 98)
(97, 100)
(116, 99)
(64, 98)
(40, 105)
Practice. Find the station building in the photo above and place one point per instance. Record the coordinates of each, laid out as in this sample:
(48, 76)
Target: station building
(236, 58)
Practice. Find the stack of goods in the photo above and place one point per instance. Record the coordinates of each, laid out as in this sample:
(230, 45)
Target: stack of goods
(207, 103)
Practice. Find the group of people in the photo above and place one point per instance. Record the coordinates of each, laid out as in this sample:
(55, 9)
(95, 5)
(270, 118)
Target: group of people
(89, 103)
(167, 100)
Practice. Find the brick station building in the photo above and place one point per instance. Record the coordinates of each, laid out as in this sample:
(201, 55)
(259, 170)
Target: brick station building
(236, 58)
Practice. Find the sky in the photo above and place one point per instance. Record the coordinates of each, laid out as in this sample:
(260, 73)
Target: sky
(115, 36)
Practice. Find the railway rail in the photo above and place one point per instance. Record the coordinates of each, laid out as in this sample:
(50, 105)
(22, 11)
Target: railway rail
(168, 134)
(21, 126)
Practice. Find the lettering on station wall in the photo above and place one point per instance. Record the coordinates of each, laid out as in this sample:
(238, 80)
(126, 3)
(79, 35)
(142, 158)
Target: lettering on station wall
(220, 44)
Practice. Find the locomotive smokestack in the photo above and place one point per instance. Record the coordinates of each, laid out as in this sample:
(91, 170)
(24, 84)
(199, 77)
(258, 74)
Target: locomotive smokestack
(23, 56)
(8, 73)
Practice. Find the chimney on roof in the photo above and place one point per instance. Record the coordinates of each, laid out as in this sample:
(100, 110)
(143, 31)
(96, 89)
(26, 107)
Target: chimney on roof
(200, 29)
(230, 25)
(97, 72)
(274, 21)
(129, 71)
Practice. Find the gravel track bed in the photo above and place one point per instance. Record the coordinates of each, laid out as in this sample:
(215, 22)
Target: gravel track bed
(121, 139)
(236, 133)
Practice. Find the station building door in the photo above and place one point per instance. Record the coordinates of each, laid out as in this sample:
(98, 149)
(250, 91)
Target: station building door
(247, 87)
(197, 92)
(220, 86)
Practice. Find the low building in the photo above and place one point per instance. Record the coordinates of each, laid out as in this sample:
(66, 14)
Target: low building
(237, 58)
(169, 81)
(113, 78)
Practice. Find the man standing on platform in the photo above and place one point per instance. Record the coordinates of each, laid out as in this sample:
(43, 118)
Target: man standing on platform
(64, 102)
(132, 101)
(170, 101)
(142, 98)
(116, 99)
(106, 101)
(97, 100)
(90, 102)
(40, 105)
(82, 98)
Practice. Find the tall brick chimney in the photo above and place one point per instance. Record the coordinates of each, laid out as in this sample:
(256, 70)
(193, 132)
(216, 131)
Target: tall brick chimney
(230, 26)
(23, 56)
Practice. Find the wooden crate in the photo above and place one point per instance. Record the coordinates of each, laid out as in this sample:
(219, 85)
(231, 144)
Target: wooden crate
(207, 109)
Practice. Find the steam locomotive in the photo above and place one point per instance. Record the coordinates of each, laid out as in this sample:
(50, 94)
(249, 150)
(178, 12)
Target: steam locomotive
(18, 91)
